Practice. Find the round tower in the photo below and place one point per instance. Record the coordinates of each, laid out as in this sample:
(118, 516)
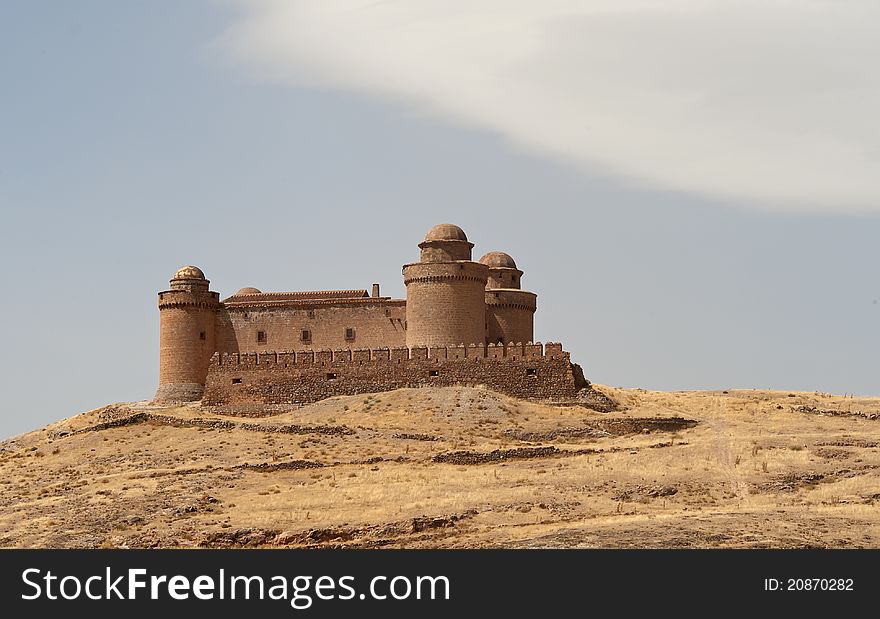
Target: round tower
(445, 291)
(510, 311)
(187, 313)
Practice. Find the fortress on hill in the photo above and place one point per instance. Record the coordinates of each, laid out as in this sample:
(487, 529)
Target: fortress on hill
(462, 323)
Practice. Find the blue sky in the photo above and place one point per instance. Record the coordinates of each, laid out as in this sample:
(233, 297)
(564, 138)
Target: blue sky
(137, 137)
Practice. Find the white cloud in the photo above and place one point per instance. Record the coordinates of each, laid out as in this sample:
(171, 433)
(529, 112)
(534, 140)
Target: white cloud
(769, 102)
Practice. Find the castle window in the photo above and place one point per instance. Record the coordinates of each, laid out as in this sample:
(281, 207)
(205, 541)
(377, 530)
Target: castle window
(433, 373)
(310, 313)
(202, 335)
(531, 372)
(349, 334)
(306, 336)
(261, 337)
(236, 381)
(331, 375)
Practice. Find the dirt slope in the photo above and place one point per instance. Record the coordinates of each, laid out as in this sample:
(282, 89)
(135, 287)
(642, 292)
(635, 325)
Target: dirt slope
(455, 467)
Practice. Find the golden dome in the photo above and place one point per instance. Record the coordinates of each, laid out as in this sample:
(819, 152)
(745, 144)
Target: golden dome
(498, 259)
(446, 232)
(189, 272)
(247, 290)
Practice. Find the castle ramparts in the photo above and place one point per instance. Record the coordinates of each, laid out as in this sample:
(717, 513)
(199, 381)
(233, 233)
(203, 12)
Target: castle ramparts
(254, 380)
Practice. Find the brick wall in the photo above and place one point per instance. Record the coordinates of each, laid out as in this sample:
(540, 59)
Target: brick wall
(444, 251)
(186, 342)
(504, 278)
(528, 371)
(510, 315)
(375, 323)
(445, 303)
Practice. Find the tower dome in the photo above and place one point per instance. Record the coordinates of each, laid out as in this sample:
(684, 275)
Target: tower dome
(189, 278)
(445, 291)
(189, 272)
(446, 232)
(445, 243)
(247, 290)
(498, 259)
(503, 272)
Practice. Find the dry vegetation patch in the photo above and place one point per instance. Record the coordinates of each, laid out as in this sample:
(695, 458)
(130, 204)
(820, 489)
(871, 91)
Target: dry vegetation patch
(455, 467)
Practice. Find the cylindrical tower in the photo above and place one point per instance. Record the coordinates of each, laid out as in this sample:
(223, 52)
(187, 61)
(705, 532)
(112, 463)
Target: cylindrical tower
(187, 314)
(445, 291)
(510, 312)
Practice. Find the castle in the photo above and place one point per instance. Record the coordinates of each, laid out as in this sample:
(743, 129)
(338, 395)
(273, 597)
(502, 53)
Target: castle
(462, 323)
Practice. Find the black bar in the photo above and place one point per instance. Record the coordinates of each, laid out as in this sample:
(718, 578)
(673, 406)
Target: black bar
(511, 583)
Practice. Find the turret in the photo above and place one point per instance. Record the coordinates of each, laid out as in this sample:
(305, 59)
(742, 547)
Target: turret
(187, 316)
(510, 311)
(445, 291)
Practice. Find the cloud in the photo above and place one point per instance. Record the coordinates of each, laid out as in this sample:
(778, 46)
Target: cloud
(771, 103)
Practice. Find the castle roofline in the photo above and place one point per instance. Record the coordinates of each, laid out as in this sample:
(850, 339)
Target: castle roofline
(259, 301)
(298, 296)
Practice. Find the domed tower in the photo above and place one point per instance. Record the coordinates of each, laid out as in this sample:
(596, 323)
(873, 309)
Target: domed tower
(187, 313)
(510, 312)
(445, 291)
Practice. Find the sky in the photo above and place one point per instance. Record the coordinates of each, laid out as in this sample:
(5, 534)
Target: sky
(692, 188)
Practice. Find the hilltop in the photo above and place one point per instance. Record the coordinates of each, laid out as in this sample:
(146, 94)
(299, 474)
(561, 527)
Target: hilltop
(454, 467)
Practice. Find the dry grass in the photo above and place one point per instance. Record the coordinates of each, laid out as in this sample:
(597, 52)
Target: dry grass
(754, 472)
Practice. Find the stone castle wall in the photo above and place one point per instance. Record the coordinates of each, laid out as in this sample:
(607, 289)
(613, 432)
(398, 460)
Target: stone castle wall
(532, 371)
(186, 343)
(510, 315)
(374, 323)
(445, 303)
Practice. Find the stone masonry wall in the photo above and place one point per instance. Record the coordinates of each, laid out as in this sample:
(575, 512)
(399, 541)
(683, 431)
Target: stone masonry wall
(510, 315)
(375, 323)
(445, 303)
(186, 343)
(293, 378)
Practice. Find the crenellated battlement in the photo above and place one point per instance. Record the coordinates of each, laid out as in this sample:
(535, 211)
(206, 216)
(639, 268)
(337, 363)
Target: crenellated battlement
(242, 381)
(306, 358)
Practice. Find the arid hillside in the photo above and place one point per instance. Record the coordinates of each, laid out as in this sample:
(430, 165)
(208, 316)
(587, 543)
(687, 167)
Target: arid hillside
(455, 468)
